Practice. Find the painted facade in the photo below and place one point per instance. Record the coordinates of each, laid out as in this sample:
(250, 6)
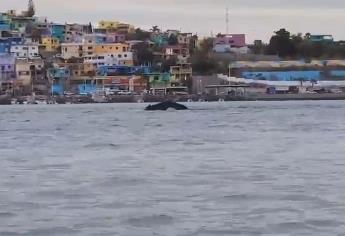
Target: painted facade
(25, 51)
(58, 32)
(7, 67)
(27, 70)
(50, 44)
(119, 27)
(7, 43)
(230, 43)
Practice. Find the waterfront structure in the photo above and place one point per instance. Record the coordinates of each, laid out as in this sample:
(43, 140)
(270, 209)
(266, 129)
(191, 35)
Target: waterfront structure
(7, 73)
(159, 80)
(181, 74)
(137, 84)
(7, 67)
(59, 77)
(28, 70)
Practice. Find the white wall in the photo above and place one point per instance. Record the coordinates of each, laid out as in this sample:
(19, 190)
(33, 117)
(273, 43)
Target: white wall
(25, 51)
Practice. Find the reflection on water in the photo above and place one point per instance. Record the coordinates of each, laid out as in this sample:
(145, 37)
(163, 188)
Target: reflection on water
(242, 168)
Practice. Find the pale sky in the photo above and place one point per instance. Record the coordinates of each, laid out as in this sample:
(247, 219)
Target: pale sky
(256, 18)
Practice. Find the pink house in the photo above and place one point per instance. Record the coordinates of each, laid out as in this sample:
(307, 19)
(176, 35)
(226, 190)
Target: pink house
(233, 40)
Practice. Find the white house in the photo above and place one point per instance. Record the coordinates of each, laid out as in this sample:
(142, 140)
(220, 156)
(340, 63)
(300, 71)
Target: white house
(121, 58)
(25, 51)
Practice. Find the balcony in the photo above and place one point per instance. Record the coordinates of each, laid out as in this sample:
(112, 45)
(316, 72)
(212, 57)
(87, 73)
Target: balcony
(178, 71)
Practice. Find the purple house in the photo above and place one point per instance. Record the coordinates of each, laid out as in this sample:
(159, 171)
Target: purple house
(7, 67)
(233, 40)
(116, 38)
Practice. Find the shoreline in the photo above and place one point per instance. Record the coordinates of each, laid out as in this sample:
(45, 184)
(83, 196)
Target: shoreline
(156, 99)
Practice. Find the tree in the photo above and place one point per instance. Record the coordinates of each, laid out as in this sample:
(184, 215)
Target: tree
(155, 29)
(144, 54)
(258, 47)
(173, 40)
(138, 34)
(167, 63)
(281, 44)
(206, 45)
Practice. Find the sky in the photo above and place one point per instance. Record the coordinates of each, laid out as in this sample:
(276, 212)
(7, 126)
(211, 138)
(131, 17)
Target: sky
(258, 19)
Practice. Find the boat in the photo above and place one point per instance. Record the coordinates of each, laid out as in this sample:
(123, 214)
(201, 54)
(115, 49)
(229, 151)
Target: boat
(163, 106)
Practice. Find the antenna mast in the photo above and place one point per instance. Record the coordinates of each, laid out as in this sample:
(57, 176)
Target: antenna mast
(227, 20)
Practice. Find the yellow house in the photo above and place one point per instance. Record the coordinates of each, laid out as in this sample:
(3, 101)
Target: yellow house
(109, 48)
(51, 44)
(104, 24)
(116, 25)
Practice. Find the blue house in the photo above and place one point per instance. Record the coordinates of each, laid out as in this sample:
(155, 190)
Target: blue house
(123, 70)
(6, 43)
(58, 31)
(59, 77)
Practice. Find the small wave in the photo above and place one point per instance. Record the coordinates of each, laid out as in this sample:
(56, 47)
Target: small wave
(6, 214)
(149, 221)
(101, 145)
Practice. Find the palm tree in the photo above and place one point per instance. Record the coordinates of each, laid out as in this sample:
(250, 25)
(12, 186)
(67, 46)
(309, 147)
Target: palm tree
(155, 29)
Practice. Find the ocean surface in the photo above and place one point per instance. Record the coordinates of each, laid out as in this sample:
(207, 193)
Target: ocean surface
(237, 168)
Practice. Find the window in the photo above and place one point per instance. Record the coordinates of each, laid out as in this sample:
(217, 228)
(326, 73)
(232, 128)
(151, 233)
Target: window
(125, 55)
(124, 49)
(117, 48)
(89, 48)
(33, 48)
(119, 56)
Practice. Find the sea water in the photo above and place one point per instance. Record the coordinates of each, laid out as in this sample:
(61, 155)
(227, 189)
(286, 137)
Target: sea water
(237, 168)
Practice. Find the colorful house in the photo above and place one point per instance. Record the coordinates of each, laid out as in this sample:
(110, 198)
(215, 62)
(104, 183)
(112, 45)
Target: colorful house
(27, 70)
(50, 44)
(7, 43)
(7, 67)
(4, 22)
(59, 77)
(323, 38)
(230, 42)
(159, 80)
(123, 70)
(28, 50)
(58, 32)
(115, 26)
